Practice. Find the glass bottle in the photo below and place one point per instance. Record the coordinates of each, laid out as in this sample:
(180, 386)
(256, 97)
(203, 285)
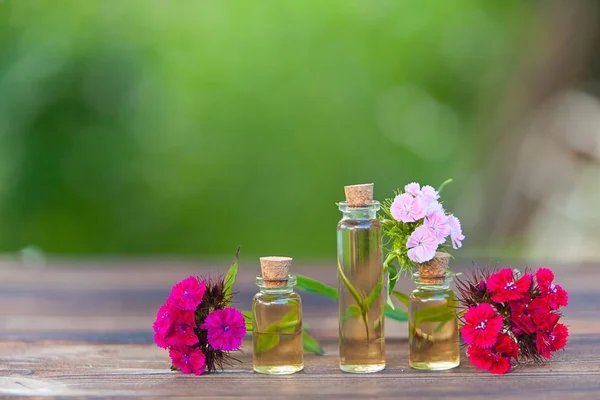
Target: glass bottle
(361, 283)
(277, 320)
(433, 334)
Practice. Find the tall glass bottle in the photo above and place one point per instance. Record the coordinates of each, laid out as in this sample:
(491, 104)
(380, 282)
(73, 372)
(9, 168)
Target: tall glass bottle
(277, 320)
(433, 326)
(360, 282)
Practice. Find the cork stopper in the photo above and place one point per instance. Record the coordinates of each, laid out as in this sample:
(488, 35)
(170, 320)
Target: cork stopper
(434, 271)
(359, 195)
(275, 270)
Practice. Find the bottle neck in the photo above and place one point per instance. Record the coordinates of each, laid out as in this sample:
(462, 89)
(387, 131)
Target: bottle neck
(366, 211)
(285, 287)
(433, 283)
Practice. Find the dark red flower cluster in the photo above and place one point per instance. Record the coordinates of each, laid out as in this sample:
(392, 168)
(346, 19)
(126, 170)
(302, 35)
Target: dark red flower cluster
(512, 316)
(197, 327)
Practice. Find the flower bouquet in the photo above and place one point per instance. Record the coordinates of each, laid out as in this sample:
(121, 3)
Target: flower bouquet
(417, 227)
(198, 325)
(510, 316)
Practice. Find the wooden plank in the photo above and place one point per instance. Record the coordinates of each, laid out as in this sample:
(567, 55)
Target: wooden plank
(142, 370)
(86, 331)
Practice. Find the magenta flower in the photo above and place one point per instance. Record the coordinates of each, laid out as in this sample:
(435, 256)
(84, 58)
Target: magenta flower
(455, 232)
(422, 245)
(164, 319)
(188, 360)
(187, 294)
(437, 223)
(182, 331)
(406, 208)
(413, 188)
(226, 329)
(160, 341)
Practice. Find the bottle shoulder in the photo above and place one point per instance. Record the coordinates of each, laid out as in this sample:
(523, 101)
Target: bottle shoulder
(420, 294)
(370, 224)
(279, 298)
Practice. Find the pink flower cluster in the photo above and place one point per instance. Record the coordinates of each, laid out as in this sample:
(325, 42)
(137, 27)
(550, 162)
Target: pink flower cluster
(420, 206)
(512, 316)
(182, 327)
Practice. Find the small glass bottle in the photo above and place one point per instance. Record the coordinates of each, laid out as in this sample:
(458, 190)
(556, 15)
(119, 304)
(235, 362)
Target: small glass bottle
(361, 283)
(433, 326)
(277, 320)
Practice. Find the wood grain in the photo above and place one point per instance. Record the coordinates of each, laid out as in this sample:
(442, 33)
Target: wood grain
(86, 331)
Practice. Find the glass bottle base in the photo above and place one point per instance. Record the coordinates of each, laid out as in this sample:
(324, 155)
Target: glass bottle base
(362, 369)
(434, 366)
(279, 370)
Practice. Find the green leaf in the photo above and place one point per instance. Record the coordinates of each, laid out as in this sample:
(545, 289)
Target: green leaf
(375, 293)
(390, 268)
(231, 275)
(352, 311)
(266, 341)
(248, 318)
(401, 297)
(357, 297)
(311, 285)
(269, 338)
(433, 314)
(311, 344)
(396, 314)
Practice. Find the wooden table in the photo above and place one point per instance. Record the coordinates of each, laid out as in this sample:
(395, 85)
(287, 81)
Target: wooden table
(84, 329)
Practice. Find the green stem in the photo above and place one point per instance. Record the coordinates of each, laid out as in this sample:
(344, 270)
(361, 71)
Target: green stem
(356, 296)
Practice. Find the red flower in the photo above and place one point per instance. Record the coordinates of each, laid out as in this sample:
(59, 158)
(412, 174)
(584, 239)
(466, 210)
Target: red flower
(554, 294)
(504, 287)
(226, 329)
(182, 331)
(188, 359)
(547, 342)
(497, 359)
(521, 318)
(187, 294)
(482, 325)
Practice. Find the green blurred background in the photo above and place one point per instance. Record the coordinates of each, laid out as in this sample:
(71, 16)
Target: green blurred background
(189, 127)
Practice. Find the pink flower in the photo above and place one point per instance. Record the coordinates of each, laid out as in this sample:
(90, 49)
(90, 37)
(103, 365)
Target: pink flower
(406, 208)
(433, 208)
(554, 294)
(188, 359)
(429, 194)
(496, 359)
(505, 289)
(226, 329)
(422, 245)
(455, 232)
(187, 294)
(413, 188)
(547, 342)
(428, 197)
(482, 326)
(182, 331)
(437, 223)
